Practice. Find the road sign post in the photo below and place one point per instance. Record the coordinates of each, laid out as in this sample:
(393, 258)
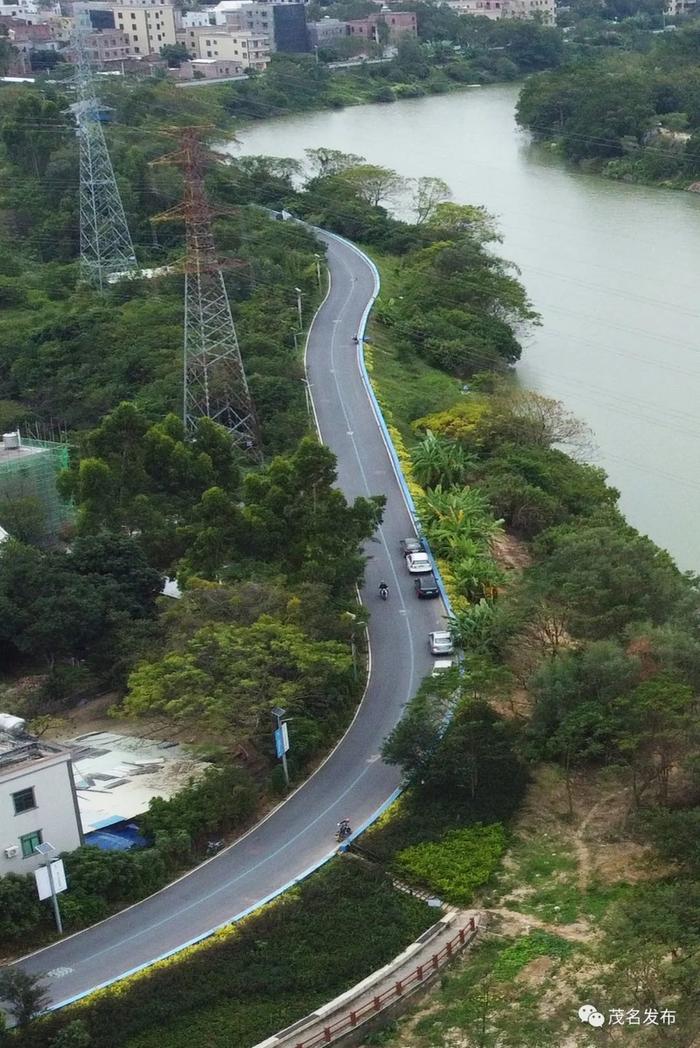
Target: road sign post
(281, 740)
(50, 880)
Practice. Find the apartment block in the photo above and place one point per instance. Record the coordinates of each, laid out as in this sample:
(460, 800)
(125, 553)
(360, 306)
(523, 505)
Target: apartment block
(146, 24)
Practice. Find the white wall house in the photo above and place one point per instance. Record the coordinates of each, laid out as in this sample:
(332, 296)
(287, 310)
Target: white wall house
(37, 798)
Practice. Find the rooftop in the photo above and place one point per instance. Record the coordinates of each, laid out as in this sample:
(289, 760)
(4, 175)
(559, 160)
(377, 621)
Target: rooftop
(116, 775)
(14, 454)
(18, 747)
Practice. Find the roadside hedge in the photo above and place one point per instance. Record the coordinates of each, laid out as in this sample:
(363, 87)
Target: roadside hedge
(223, 800)
(259, 975)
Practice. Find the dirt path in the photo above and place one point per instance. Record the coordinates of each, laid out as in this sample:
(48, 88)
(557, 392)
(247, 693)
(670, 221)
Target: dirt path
(586, 865)
(513, 922)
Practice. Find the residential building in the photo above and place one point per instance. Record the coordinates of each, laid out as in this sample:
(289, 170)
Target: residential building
(193, 19)
(290, 34)
(147, 24)
(107, 45)
(284, 23)
(30, 11)
(206, 69)
(37, 798)
(27, 38)
(680, 7)
(517, 9)
(250, 50)
(525, 10)
(326, 32)
(398, 24)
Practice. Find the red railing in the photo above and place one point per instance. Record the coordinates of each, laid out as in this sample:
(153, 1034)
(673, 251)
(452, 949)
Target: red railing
(376, 1004)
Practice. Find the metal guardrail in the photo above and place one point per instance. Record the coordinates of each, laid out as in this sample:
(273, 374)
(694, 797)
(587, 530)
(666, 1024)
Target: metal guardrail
(420, 974)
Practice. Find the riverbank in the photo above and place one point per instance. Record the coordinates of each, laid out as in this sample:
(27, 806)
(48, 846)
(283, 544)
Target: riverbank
(587, 854)
(627, 116)
(617, 336)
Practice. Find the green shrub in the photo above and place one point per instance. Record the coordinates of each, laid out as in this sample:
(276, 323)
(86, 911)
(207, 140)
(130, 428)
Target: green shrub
(525, 949)
(223, 800)
(20, 910)
(261, 975)
(456, 865)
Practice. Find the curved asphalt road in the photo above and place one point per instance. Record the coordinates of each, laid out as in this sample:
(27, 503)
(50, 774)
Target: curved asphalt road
(353, 781)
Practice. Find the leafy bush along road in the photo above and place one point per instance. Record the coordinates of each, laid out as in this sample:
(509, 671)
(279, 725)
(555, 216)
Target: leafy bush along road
(300, 835)
(258, 976)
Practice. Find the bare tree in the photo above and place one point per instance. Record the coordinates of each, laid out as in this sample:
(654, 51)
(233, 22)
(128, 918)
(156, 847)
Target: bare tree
(324, 161)
(429, 193)
(545, 420)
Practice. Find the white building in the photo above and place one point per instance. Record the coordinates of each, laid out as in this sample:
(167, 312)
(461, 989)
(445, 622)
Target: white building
(497, 9)
(37, 798)
(244, 49)
(29, 10)
(193, 19)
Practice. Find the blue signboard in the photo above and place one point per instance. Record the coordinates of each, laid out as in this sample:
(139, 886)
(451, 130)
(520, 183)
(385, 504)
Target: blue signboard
(281, 740)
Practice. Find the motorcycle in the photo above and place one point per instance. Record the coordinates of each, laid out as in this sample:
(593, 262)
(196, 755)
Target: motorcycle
(384, 592)
(344, 830)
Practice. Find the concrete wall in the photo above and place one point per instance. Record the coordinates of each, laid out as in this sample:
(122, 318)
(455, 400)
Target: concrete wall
(55, 813)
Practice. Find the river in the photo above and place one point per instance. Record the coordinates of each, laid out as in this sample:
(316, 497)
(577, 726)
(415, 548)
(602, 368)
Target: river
(611, 268)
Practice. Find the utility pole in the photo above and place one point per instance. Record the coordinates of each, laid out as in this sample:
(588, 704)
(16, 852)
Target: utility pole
(215, 384)
(318, 272)
(106, 249)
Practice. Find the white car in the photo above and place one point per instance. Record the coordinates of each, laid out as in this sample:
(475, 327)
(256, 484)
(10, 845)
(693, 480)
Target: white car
(418, 563)
(440, 643)
(441, 666)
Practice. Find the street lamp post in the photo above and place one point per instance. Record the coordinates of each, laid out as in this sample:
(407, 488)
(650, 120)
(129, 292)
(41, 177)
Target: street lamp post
(299, 310)
(281, 740)
(318, 271)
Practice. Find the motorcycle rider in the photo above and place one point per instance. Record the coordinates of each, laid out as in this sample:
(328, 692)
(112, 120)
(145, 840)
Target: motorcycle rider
(343, 829)
(383, 590)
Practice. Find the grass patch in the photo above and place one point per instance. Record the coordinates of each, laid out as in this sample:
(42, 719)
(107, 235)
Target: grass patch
(566, 903)
(483, 1003)
(537, 944)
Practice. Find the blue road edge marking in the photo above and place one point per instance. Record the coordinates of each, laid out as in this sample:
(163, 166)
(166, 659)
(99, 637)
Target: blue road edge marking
(408, 498)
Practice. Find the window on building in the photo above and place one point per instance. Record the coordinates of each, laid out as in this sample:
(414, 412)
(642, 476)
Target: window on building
(29, 842)
(208, 54)
(24, 800)
(137, 50)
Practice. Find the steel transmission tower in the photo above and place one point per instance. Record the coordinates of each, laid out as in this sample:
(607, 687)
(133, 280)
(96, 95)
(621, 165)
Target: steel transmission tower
(215, 383)
(106, 249)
